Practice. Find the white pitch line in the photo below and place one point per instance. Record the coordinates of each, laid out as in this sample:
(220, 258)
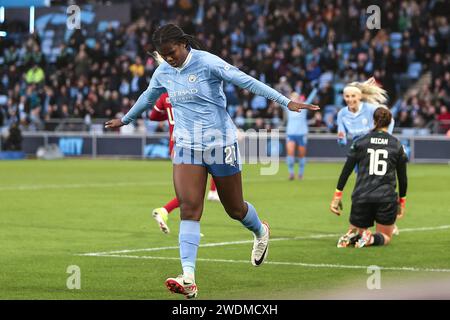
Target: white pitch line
(169, 182)
(24, 187)
(219, 244)
(81, 185)
(214, 244)
(425, 228)
(299, 264)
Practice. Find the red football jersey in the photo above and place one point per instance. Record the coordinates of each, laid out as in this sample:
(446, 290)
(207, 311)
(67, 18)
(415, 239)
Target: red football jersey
(162, 110)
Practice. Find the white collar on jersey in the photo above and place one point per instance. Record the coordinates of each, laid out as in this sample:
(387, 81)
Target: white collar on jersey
(188, 58)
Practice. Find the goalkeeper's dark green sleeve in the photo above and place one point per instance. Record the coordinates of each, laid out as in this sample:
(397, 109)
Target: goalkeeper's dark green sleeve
(402, 179)
(346, 171)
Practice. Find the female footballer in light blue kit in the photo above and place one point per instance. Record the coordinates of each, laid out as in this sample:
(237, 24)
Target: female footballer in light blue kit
(356, 119)
(297, 136)
(205, 140)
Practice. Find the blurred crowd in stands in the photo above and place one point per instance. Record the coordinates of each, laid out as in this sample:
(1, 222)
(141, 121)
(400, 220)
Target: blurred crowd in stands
(292, 45)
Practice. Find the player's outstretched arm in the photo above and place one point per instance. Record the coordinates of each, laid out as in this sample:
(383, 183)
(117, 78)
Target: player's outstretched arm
(230, 73)
(297, 107)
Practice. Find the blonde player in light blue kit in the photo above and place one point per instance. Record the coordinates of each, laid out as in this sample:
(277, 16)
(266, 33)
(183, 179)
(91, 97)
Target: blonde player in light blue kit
(356, 119)
(205, 140)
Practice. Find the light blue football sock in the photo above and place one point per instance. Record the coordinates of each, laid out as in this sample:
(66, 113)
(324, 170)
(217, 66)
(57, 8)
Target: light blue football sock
(189, 239)
(301, 166)
(290, 164)
(251, 221)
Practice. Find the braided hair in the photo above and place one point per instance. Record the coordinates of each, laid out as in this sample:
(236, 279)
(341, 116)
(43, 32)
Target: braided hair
(173, 33)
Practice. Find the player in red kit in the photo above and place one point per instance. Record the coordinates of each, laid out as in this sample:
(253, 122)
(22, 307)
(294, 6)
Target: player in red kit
(162, 110)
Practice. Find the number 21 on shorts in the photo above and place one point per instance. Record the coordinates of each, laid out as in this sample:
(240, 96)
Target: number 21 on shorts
(230, 155)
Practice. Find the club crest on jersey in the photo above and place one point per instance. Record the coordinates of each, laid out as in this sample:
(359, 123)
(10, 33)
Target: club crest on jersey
(192, 78)
(365, 121)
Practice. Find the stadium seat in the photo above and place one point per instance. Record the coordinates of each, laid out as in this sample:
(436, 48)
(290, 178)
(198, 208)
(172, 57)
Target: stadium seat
(104, 24)
(90, 42)
(395, 40)
(414, 70)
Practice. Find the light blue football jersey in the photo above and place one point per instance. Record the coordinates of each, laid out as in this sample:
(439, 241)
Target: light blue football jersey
(357, 124)
(199, 104)
(297, 122)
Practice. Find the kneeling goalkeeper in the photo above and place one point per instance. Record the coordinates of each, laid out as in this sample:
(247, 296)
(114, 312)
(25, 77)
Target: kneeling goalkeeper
(380, 157)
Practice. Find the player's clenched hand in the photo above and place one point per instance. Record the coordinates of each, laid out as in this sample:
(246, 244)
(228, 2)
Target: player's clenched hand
(114, 123)
(341, 139)
(336, 203)
(297, 107)
(401, 208)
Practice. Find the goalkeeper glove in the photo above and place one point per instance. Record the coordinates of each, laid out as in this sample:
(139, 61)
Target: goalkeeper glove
(401, 207)
(336, 203)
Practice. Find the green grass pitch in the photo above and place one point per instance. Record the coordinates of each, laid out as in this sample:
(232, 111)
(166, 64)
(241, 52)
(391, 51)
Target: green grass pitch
(51, 213)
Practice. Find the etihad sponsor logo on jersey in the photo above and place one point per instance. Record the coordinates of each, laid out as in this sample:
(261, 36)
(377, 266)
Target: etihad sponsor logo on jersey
(379, 140)
(357, 133)
(181, 93)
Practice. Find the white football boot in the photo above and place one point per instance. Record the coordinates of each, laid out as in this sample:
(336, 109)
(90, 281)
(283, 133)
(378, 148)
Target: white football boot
(161, 216)
(182, 285)
(261, 247)
(365, 240)
(348, 239)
